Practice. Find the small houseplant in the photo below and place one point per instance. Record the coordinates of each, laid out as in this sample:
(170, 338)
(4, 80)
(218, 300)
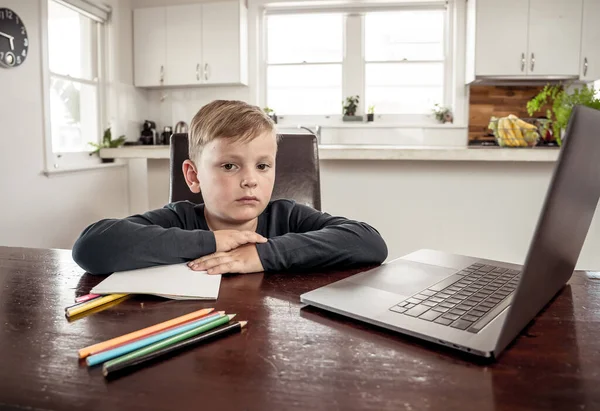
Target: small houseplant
(271, 113)
(442, 114)
(350, 107)
(371, 113)
(107, 142)
(562, 101)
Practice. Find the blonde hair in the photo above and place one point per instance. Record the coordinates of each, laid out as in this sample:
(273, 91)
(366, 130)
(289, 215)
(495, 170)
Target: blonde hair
(232, 119)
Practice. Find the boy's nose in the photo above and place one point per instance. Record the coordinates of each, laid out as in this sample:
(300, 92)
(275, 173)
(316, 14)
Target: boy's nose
(249, 181)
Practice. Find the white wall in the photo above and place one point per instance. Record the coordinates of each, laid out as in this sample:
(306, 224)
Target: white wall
(49, 212)
(128, 105)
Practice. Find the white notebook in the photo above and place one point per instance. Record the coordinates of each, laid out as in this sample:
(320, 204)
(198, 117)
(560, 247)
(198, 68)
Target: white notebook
(175, 281)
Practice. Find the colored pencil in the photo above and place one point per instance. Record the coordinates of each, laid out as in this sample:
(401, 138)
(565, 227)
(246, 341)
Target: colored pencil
(79, 308)
(112, 347)
(109, 370)
(81, 303)
(165, 343)
(112, 343)
(98, 309)
(143, 342)
(87, 297)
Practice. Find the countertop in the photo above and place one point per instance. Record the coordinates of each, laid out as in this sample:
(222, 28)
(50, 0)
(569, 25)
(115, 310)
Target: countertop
(378, 152)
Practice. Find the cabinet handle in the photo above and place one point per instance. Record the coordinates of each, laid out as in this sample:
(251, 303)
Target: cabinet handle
(162, 74)
(205, 71)
(198, 72)
(522, 61)
(532, 61)
(585, 66)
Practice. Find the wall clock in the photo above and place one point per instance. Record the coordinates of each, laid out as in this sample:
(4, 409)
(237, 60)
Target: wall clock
(14, 43)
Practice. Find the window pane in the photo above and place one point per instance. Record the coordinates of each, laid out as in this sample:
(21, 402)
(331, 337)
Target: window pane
(410, 35)
(305, 89)
(71, 37)
(73, 115)
(404, 88)
(310, 38)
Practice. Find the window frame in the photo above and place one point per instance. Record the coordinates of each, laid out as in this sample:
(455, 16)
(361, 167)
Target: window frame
(353, 74)
(81, 160)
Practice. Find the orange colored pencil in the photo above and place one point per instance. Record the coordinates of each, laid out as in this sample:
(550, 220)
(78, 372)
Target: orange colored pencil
(150, 334)
(93, 349)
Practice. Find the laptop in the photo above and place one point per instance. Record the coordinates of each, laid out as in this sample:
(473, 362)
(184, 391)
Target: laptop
(478, 305)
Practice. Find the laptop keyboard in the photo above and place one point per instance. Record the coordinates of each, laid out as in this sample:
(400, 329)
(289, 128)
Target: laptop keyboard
(464, 299)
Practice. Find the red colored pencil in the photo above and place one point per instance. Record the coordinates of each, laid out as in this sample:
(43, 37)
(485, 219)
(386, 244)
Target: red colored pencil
(87, 297)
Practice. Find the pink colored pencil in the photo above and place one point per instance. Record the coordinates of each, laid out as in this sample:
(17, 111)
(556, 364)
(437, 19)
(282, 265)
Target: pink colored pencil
(87, 297)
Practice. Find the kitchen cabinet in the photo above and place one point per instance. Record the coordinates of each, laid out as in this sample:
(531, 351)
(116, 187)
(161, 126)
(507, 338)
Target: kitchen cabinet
(184, 51)
(149, 52)
(590, 40)
(225, 43)
(554, 37)
(194, 45)
(523, 39)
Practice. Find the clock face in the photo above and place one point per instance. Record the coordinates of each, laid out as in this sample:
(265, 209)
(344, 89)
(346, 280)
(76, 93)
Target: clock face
(14, 43)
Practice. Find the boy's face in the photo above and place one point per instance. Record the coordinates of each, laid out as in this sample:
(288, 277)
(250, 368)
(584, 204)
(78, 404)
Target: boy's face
(236, 178)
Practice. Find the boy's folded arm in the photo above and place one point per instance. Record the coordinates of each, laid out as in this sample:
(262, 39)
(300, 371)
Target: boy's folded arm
(319, 240)
(154, 238)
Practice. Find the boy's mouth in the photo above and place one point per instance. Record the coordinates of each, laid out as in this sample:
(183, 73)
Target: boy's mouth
(247, 199)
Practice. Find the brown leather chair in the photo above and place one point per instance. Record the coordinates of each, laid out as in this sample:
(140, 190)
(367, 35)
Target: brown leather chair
(296, 174)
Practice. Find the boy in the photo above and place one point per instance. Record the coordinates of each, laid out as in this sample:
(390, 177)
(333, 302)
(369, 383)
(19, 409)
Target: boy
(232, 148)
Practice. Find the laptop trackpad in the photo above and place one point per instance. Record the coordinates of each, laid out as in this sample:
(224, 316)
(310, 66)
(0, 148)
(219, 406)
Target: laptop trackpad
(402, 277)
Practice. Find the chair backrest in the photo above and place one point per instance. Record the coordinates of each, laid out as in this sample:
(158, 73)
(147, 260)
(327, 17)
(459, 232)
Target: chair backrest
(297, 175)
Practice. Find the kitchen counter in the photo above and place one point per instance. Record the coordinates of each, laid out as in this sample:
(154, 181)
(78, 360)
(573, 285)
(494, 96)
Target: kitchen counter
(378, 152)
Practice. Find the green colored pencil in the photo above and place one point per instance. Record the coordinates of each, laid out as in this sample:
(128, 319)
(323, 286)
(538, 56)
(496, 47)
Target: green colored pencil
(169, 341)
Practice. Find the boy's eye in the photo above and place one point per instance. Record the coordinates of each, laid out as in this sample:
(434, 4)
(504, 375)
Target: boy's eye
(228, 166)
(263, 166)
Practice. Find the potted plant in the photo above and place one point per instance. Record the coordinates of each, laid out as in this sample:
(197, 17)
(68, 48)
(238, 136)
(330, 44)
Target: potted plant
(562, 101)
(350, 107)
(371, 113)
(442, 114)
(107, 142)
(271, 113)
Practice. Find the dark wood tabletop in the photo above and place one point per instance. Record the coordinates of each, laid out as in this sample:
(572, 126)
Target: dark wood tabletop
(289, 357)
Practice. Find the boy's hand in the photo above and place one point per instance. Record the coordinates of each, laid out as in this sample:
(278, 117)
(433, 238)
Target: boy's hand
(228, 240)
(243, 259)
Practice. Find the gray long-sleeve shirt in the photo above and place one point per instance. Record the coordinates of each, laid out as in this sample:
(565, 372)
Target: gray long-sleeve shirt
(299, 238)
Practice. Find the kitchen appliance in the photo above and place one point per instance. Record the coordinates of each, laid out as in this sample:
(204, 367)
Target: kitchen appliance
(165, 136)
(181, 127)
(148, 135)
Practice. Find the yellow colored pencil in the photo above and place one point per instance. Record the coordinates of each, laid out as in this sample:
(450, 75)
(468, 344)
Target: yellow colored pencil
(93, 304)
(102, 346)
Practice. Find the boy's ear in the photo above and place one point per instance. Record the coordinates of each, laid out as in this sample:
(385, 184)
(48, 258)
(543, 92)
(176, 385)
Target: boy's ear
(190, 173)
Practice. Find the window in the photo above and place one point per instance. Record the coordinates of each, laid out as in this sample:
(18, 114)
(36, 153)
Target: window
(394, 59)
(404, 61)
(75, 96)
(304, 69)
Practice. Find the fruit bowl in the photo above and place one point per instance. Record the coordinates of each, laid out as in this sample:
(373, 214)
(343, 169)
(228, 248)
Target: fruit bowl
(511, 131)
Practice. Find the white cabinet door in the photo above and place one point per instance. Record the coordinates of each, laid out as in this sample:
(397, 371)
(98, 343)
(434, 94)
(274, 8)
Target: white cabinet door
(554, 37)
(500, 37)
(590, 41)
(149, 45)
(184, 43)
(221, 42)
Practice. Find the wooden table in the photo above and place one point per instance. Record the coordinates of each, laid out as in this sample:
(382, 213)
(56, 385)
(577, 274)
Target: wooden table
(289, 357)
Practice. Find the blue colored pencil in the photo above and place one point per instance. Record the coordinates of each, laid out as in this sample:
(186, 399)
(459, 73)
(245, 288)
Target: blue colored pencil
(127, 348)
